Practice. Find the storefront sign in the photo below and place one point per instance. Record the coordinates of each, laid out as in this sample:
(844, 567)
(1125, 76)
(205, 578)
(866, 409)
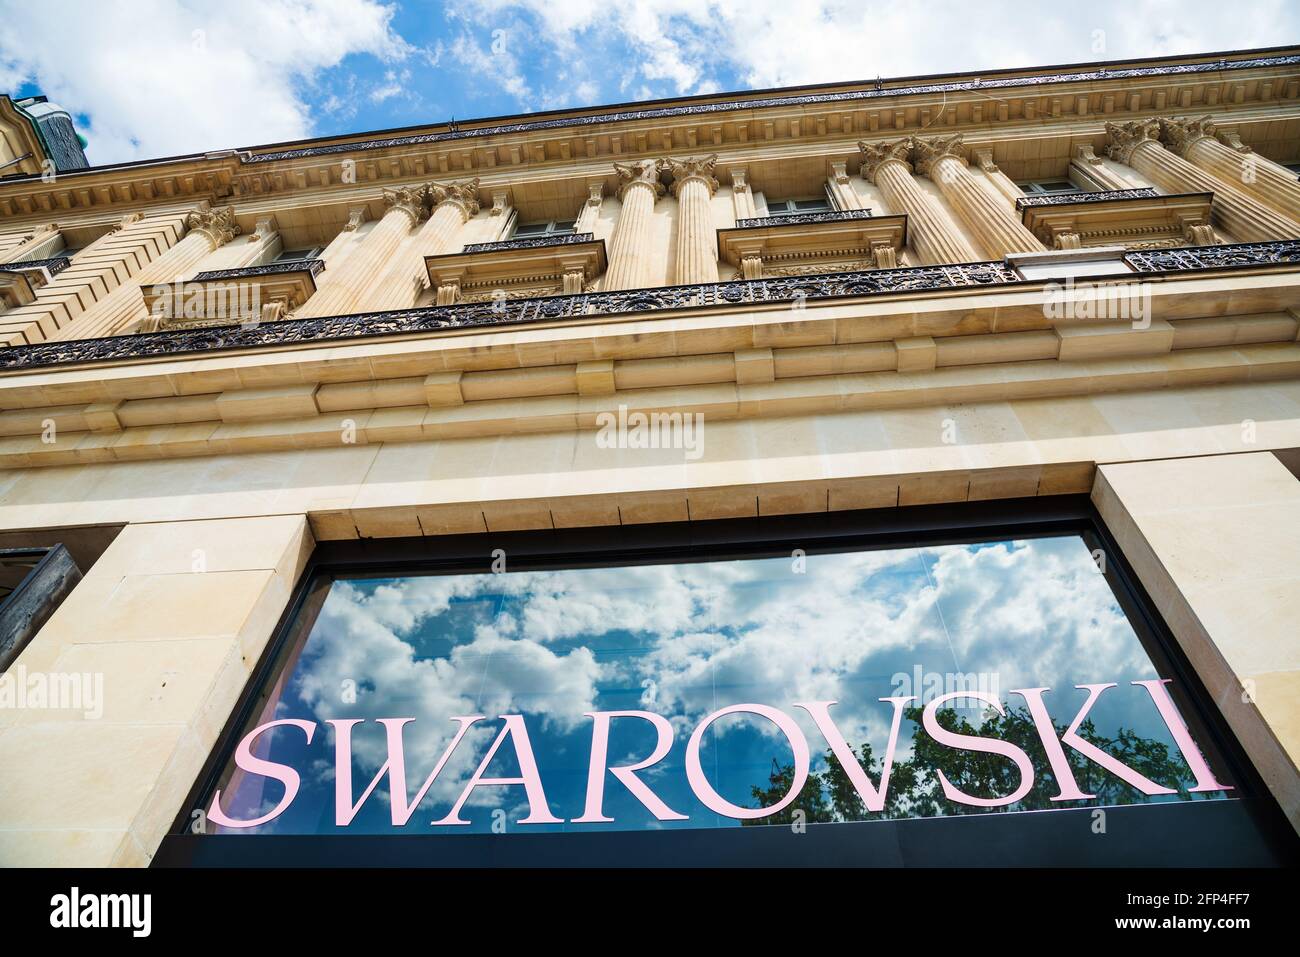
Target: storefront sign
(873, 794)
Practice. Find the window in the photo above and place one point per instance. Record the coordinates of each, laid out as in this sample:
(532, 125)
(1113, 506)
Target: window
(297, 255)
(792, 207)
(1051, 186)
(841, 684)
(550, 227)
(33, 582)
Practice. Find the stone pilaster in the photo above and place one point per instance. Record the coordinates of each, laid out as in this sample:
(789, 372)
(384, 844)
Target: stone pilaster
(942, 159)
(846, 197)
(930, 232)
(343, 292)
(1136, 144)
(405, 277)
(41, 243)
(1093, 170)
(742, 195)
(206, 230)
(1196, 140)
(697, 244)
(590, 212)
(998, 179)
(638, 189)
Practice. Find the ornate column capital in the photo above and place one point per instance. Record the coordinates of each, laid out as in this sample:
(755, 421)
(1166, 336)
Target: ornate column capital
(217, 224)
(984, 159)
(409, 199)
(129, 219)
(356, 216)
(463, 194)
(1128, 137)
(266, 225)
(1233, 142)
(875, 155)
(926, 153)
(692, 168)
(1181, 135)
(640, 173)
(1083, 153)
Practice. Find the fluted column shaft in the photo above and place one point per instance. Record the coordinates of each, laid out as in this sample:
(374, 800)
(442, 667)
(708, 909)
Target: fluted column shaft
(628, 259)
(207, 231)
(1267, 181)
(1243, 216)
(343, 292)
(997, 227)
(400, 284)
(697, 258)
(928, 230)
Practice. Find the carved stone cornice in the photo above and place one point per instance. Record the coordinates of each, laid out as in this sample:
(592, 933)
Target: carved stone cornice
(874, 155)
(217, 224)
(684, 171)
(409, 199)
(1126, 138)
(463, 194)
(643, 173)
(925, 153)
(1180, 135)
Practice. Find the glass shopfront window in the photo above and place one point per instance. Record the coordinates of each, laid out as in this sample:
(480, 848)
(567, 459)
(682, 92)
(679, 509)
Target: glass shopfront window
(794, 689)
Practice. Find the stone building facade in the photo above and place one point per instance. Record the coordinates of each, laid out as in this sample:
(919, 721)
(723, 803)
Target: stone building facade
(970, 294)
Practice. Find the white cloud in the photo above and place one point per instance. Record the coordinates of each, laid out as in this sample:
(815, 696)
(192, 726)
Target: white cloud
(689, 43)
(160, 77)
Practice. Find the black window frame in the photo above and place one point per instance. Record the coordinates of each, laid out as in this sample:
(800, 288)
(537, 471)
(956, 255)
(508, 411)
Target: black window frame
(1247, 830)
(790, 206)
(551, 227)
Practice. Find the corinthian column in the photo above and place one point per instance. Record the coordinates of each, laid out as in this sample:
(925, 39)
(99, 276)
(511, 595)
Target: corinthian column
(343, 293)
(206, 230)
(1241, 168)
(1244, 217)
(638, 189)
(942, 159)
(697, 244)
(929, 231)
(399, 285)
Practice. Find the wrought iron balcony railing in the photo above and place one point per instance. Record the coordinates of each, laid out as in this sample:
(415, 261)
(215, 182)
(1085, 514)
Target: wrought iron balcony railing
(312, 266)
(704, 296)
(53, 265)
(1095, 196)
(1196, 258)
(530, 242)
(830, 216)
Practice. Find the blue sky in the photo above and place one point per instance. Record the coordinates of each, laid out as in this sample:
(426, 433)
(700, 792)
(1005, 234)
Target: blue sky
(149, 78)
